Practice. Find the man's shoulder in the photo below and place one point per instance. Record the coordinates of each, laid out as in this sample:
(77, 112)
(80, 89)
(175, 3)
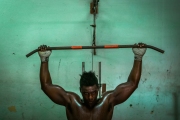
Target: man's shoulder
(107, 94)
(73, 96)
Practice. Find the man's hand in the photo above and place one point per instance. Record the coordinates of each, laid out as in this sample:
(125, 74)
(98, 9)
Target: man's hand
(43, 53)
(139, 52)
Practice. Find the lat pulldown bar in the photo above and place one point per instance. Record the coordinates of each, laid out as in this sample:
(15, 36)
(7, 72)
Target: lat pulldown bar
(96, 47)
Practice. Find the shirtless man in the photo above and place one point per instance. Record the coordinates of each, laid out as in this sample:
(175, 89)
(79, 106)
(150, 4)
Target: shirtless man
(90, 108)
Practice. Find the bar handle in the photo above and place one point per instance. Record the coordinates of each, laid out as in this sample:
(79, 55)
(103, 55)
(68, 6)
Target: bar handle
(97, 47)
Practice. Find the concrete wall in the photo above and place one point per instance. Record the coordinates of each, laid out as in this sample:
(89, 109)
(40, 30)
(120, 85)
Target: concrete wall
(26, 24)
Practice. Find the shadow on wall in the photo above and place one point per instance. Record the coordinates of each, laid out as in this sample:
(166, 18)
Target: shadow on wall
(176, 111)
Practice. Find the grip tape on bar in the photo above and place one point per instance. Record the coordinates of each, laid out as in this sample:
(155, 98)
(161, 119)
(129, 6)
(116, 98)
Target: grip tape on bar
(76, 47)
(111, 46)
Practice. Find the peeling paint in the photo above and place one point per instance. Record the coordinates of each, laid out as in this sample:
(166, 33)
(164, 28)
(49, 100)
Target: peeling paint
(12, 109)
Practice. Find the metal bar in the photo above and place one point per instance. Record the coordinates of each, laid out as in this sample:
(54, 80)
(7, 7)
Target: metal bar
(99, 79)
(94, 40)
(97, 47)
(100, 73)
(92, 61)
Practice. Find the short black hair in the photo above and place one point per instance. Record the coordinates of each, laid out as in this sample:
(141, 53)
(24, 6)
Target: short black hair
(88, 79)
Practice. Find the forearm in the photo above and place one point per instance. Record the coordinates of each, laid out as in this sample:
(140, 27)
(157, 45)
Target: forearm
(124, 90)
(56, 93)
(135, 74)
(45, 77)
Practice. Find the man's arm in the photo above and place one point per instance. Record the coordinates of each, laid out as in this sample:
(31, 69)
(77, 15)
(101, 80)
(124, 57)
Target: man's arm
(123, 91)
(56, 93)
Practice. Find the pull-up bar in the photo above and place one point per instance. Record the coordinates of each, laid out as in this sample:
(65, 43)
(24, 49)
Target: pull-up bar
(96, 47)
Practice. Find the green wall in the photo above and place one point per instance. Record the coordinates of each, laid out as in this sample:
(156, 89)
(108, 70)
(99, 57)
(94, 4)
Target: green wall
(26, 24)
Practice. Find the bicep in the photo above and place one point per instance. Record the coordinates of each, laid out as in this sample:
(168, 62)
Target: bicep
(57, 94)
(122, 92)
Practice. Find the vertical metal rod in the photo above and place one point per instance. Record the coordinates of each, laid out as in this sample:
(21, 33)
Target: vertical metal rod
(83, 67)
(92, 61)
(99, 79)
(103, 87)
(95, 5)
(94, 33)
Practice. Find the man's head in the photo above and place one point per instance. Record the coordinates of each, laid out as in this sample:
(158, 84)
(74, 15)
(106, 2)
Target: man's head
(89, 88)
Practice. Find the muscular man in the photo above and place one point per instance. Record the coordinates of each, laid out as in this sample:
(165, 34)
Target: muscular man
(90, 108)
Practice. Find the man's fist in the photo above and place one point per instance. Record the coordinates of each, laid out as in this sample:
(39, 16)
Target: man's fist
(43, 53)
(139, 52)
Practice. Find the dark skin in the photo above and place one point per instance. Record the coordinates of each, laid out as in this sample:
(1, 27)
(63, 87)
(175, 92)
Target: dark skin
(90, 108)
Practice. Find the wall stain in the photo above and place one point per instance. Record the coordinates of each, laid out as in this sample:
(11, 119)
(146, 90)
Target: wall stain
(157, 97)
(53, 106)
(168, 72)
(12, 109)
(157, 88)
(130, 105)
(59, 67)
(144, 80)
(59, 64)
(23, 116)
(150, 86)
(152, 112)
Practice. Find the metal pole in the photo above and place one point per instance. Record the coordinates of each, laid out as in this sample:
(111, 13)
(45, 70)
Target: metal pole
(103, 87)
(99, 79)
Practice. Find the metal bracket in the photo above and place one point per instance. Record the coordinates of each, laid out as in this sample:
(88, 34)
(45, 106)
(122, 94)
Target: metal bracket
(93, 8)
